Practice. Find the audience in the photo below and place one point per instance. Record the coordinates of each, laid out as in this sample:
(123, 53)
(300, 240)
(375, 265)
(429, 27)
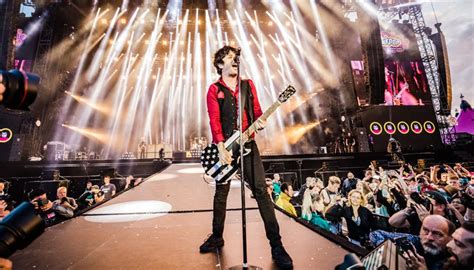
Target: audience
(64, 201)
(359, 219)
(349, 183)
(283, 200)
(421, 207)
(330, 193)
(276, 184)
(108, 188)
(461, 248)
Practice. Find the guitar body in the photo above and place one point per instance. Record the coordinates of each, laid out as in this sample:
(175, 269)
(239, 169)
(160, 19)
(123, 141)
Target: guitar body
(210, 155)
(214, 168)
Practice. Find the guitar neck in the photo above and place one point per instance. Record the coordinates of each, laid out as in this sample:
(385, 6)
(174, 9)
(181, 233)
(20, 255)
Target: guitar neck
(251, 130)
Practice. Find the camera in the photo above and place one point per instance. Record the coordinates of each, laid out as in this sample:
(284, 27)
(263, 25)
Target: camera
(5, 197)
(42, 202)
(21, 88)
(404, 244)
(417, 198)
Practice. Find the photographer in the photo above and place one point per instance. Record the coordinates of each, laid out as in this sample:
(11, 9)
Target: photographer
(99, 195)
(87, 198)
(43, 206)
(4, 209)
(69, 204)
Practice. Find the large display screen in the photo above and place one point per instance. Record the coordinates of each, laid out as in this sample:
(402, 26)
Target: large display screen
(414, 127)
(405, 77)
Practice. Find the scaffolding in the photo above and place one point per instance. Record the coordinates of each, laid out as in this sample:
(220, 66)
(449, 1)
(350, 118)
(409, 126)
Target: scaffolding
(431, 69)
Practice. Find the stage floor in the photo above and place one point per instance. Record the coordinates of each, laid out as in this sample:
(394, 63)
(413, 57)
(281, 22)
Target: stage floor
(161, 224)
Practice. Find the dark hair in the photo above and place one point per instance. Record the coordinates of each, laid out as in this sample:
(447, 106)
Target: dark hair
(35, 193)
(468, 226)
(219, 56)
(284, 186)
(451, 227)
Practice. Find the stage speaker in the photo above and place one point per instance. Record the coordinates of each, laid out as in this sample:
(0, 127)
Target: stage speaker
(151, 155)
(151, 148)
(50, 174)
(277, 167)
(20, 149)
(112, 172)
(362, 139)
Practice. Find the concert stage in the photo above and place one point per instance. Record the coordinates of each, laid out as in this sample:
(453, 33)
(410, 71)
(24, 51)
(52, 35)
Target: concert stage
(161, 224)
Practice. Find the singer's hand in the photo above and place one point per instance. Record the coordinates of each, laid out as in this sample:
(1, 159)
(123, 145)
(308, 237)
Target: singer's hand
(260, 124)
(225, 157)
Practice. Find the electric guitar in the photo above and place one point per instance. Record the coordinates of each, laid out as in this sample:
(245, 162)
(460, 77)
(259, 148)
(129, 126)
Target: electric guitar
(210, 155)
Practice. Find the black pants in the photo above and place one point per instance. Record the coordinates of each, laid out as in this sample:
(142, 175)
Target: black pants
(255, 177)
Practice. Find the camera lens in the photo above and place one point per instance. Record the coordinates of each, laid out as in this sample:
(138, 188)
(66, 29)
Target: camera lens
(21, 89)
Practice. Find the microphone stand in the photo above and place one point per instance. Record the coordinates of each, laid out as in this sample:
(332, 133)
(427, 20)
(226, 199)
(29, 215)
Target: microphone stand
(241, 105)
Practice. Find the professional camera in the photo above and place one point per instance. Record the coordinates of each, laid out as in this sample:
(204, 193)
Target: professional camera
(42, 202)
(6, 197)
(19, 228)
(404, 244)
(21, 88)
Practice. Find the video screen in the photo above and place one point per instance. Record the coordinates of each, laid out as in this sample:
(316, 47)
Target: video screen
(405, 77)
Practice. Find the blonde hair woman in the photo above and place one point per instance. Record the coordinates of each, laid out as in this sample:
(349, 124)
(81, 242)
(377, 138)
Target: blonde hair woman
(312, 208)
(359, 219)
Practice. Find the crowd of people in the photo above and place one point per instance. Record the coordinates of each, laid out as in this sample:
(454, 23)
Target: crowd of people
(429, 209)
(64, 207)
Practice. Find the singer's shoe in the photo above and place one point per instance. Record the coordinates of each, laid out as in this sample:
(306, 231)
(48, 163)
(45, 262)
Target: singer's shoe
(281, 258)
(211, 244)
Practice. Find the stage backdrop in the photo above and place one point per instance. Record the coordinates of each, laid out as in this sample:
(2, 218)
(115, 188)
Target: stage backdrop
(414, 127)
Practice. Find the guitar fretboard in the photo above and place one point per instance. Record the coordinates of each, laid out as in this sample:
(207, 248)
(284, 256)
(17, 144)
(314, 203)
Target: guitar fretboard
(251, 130)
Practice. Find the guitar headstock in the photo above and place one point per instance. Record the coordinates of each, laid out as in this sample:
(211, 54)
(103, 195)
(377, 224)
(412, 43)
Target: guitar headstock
(286, 94)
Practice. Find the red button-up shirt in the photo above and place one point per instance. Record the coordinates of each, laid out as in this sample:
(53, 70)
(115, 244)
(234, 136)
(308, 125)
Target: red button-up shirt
(214, 112)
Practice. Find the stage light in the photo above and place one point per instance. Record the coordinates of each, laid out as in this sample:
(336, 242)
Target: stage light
(270, 23)
(89, 133)
(38, 123)
(123, 21)
(104, 21)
